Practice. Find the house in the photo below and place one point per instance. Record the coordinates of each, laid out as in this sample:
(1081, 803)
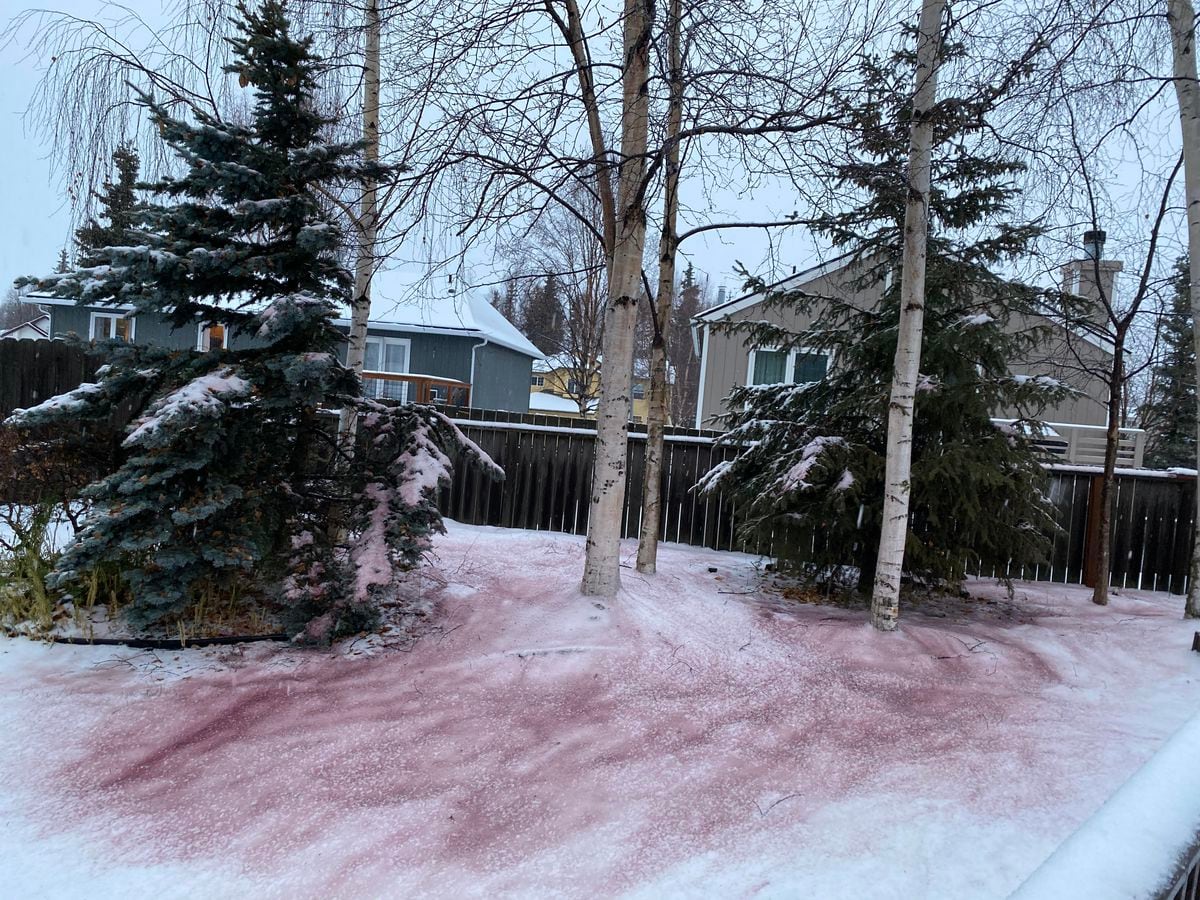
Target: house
(35, 329)
(557, 385)
(1077, 423)
(457, 350)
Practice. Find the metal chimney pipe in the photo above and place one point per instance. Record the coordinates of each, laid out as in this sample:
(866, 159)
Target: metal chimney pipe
(1093, 244)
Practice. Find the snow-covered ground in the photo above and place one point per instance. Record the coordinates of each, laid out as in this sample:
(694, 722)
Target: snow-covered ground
(693, 738)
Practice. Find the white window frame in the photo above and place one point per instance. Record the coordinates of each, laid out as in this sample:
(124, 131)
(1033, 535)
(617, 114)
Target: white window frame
(537, 380)
(789, 366)
(116, 317)
(384, 342)
(202, 338)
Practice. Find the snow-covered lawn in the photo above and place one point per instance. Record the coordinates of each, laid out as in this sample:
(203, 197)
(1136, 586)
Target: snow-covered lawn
(693, 738)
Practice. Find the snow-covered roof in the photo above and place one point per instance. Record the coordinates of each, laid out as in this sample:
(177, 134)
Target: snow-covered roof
(552, 403)
(393, 307)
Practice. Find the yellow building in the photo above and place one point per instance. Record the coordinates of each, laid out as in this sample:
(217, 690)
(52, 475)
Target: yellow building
(557, 386)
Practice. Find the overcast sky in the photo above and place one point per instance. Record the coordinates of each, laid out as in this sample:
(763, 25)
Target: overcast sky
(34, 213)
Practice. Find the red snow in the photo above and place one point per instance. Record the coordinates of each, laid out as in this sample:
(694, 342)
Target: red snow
(686, 731)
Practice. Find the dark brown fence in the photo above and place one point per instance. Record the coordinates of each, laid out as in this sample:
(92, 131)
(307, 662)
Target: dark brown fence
(548, 461)
(32, 371)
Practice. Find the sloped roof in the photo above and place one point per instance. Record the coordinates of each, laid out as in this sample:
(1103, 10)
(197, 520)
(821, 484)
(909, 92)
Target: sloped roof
(723, 310)
(41, 325)
(393, 307)
(543, 402)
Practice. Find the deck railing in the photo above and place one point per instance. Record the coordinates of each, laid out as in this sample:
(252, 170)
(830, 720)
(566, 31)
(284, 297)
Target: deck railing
(1083, 445)
(407, 388)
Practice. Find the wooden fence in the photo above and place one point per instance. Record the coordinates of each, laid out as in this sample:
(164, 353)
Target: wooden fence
(33, 370)
(548, 462)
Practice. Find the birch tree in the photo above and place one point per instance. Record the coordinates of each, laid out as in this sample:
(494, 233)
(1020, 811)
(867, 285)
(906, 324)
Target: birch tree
(601, 570)
(366, 230)
(647, 555)
(885, 598)
(1182, 18)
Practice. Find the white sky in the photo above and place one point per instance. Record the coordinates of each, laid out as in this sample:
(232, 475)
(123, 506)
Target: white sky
(34, 215)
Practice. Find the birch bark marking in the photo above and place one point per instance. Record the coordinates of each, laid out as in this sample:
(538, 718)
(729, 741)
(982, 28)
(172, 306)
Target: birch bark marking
(885, 599)
(367, 225)
(1181, 16)
(656, 419)
(601, 568)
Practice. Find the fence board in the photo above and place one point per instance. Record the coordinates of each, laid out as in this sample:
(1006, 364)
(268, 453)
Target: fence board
(548, 487)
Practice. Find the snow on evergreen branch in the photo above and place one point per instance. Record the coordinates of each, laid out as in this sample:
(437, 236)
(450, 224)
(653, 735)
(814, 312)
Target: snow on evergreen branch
(205, 396)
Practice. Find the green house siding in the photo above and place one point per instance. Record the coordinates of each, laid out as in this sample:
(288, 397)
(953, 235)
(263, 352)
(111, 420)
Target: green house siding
(501, 375)
(66, 320)
(501, 379)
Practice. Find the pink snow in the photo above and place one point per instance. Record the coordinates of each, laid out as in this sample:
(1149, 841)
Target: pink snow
(372, 560)
(694, 736)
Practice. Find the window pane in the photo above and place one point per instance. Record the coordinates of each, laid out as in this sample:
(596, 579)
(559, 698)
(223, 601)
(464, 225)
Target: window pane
(810, 367)
(123, 328)
(216, 337)
(101, 328)
(396, 357)
(769, 366)
(371, 357)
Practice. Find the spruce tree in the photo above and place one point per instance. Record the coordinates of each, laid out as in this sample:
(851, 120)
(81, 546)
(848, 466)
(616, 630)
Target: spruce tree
(228, 482)
(810, 466)
(118, 200)
(542, 316)
(1170, 412)
(681, 356)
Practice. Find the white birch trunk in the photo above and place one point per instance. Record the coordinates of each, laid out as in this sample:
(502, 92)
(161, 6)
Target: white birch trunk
(656, 418)
(366, 228)
(1182, 18)
(885, 600)
(601, 571)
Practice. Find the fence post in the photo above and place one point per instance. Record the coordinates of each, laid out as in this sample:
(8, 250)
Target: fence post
(1091, 541)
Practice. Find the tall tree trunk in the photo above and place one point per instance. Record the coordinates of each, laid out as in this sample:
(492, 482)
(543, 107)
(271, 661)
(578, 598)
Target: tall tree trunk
(885, 598)
(1182, 17)
(366, 228)
(601, 571)
(656, 418)
(1112, 440)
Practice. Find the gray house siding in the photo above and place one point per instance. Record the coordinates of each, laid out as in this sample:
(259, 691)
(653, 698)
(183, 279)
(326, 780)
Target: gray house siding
(501, 374)
(444, 355)
(725, 357)
(501, 379)
(147, 329)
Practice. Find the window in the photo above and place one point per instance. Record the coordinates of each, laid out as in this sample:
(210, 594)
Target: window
(111, 327)
(537, 380)
(799, 366)
(809, 366)
(211, 337)
(639, 391)
(390, 355)
(768, 366)
(574, 387)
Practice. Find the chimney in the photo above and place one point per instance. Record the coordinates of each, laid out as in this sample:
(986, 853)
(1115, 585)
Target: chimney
(721, 294)
(1092, 277)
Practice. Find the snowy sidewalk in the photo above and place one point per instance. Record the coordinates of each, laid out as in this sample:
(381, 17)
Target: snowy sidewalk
(692, 738)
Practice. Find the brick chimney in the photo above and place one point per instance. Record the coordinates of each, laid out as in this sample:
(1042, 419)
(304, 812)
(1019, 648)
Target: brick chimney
(1092, 277)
